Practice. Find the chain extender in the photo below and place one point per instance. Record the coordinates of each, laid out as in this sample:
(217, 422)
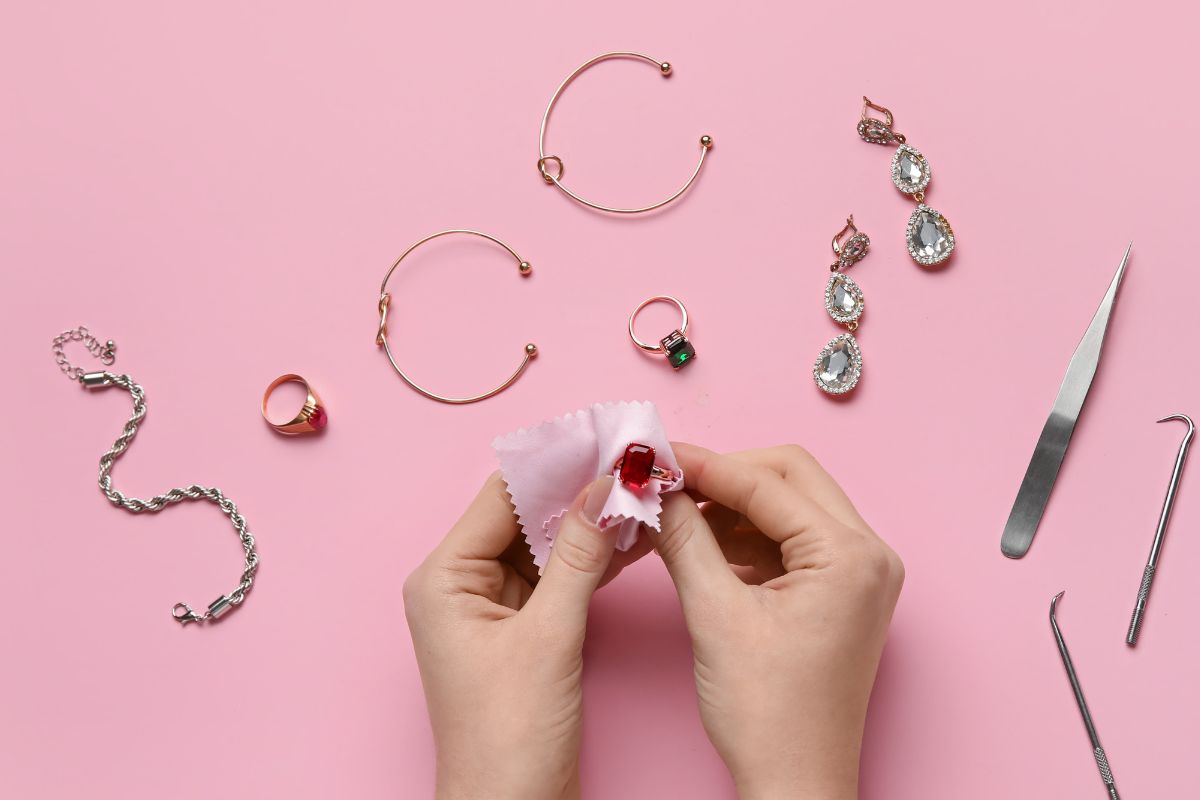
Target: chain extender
(106, 354)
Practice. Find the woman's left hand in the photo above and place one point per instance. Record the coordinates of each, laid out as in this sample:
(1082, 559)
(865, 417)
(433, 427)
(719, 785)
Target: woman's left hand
(501, 652)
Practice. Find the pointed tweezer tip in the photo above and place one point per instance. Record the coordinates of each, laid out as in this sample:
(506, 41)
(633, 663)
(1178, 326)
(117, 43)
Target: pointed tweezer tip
(1125, 258)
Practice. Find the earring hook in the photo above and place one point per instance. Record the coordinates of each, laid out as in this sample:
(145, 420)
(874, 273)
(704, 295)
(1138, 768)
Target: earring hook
(554, 176)
(850, 245)
(381, 339)
(848, 229)
(875, 130)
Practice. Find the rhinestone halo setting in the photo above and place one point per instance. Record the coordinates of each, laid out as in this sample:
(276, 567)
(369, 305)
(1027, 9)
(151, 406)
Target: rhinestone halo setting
(839, 365)
(930, 238)
(843, 298)
(910, 170)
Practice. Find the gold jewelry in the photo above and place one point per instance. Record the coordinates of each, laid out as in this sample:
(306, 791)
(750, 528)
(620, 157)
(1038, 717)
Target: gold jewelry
(384, 298)
(637, 467)
(675, 346)
(929, 237)
(555, 178)
(839, 365)
(309, 419)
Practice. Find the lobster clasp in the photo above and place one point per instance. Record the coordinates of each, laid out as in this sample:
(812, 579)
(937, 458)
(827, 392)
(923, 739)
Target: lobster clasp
(183, 614)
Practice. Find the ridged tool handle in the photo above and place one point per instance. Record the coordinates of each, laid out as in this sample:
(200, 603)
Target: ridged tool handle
(1106, 773)
(1139, 609)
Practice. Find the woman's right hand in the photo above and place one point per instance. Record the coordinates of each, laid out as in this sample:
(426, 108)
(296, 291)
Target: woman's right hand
(787, 639)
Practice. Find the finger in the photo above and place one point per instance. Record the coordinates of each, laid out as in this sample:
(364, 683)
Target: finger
(798, 467)
(758, 558)
(776, 508)
(487, 527)
(578, 560)
(688, 548)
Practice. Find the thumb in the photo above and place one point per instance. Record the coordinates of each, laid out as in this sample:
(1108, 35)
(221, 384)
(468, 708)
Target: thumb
(578, 560)
(690, 551)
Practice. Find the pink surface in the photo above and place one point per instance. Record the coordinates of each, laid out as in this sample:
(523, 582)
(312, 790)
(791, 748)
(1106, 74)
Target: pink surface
(220, 190)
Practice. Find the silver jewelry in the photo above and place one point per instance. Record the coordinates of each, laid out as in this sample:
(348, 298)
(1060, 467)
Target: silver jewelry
(839, 365)
(929, 237)
(106, 353)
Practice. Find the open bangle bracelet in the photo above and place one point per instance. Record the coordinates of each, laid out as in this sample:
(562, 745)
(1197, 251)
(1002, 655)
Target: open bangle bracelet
(382, 340)
(559, 169)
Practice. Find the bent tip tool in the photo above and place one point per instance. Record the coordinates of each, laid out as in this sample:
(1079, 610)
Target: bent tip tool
(1097, 751)
(1056, 435)
(1139, 608)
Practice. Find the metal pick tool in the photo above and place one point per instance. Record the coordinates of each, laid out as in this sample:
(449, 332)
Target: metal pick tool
(1043, 468)
(1097, 750)
(1135, 624)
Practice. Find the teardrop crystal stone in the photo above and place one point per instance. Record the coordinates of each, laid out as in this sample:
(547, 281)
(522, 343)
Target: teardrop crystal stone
(910, 170)
(930, 237)
(839, 365)
(843, 298)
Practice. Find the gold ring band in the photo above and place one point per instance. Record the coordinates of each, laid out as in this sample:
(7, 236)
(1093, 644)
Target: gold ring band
(311, 417)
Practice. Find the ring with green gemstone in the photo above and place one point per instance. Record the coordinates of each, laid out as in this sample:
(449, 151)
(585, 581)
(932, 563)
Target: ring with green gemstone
(675, 346)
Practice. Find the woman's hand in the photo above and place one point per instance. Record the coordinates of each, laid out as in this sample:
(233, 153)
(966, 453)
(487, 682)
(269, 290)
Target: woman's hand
(500, 652)
(787, 641)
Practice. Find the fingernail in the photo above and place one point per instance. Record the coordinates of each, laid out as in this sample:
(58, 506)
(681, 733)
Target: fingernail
(597, 497)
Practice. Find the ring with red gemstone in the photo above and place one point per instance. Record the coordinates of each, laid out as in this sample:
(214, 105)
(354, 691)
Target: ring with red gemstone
(636, 468)
(311, 417)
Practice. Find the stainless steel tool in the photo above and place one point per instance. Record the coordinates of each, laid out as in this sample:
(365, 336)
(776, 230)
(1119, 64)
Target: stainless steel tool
(1056, 435)
(1097, 750)
(1135, 623)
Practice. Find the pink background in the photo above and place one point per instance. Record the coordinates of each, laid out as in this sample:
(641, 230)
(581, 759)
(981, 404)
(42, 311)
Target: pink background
(220, 188)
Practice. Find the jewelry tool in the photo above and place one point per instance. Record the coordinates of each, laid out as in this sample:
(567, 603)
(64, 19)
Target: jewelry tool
(1051, 446)
(1097, 750)
(1135, 623)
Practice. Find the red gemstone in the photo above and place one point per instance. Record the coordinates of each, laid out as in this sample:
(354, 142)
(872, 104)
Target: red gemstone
(318, 419)
(637, 465)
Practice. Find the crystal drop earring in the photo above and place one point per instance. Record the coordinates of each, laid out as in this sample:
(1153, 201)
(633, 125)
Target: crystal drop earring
(839, 365)
(929, 237)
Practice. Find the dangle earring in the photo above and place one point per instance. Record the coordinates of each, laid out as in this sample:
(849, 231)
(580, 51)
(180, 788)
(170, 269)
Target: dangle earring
(839, 366)
(929, 237)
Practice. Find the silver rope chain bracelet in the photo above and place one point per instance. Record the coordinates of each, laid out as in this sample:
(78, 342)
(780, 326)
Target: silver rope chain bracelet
(106, 353)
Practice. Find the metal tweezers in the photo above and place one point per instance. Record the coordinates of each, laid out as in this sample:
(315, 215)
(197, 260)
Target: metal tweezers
(1043, 468)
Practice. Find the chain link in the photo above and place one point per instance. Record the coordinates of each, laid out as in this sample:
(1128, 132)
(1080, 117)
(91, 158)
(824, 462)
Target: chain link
(106, 353)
